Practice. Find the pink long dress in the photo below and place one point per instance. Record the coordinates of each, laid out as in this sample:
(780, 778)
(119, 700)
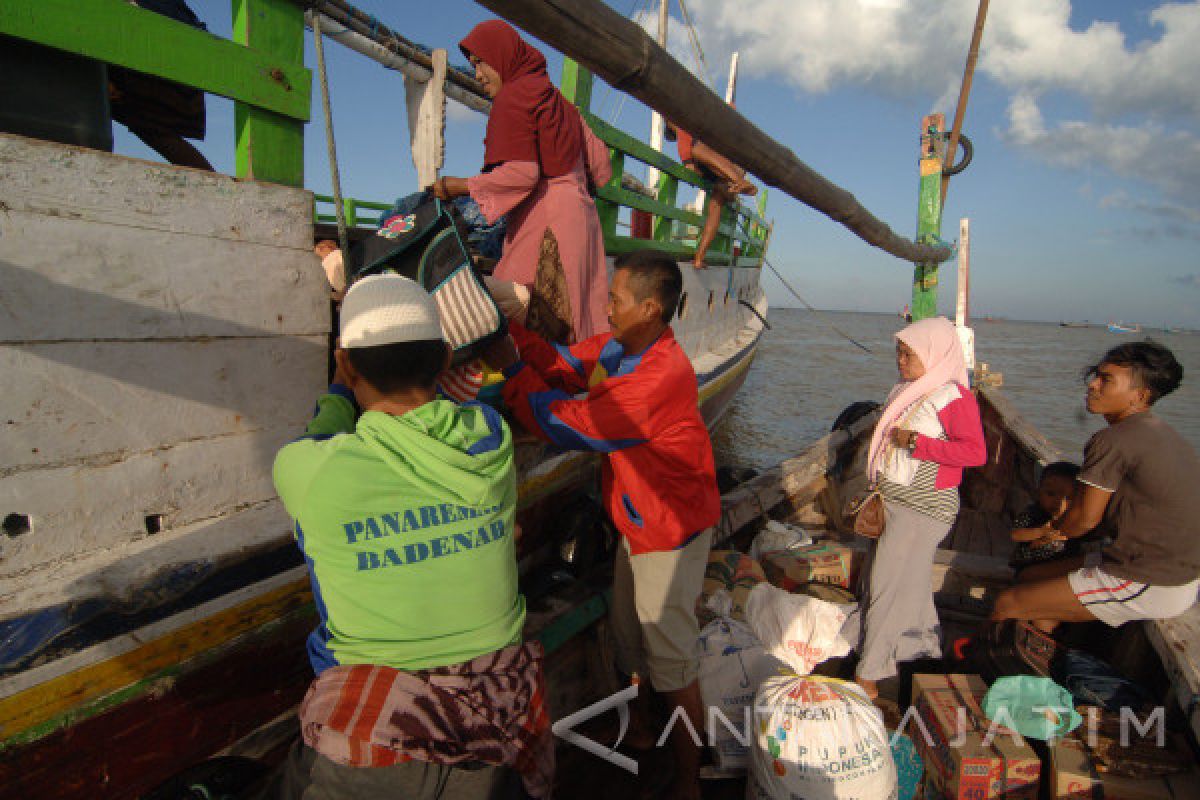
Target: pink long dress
(533, 203)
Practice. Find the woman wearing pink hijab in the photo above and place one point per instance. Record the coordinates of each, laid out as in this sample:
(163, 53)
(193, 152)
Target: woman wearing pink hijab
(929, 431)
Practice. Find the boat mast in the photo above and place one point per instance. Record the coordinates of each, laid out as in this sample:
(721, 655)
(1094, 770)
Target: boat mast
(656, 120)
(936, 160)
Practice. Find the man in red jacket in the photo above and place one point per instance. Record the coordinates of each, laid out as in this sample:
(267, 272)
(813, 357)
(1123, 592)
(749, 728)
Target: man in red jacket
(631, 394)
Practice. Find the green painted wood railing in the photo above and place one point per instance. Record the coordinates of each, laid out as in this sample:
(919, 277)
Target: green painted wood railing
(262, 70)
(323, 211)
(743, 228)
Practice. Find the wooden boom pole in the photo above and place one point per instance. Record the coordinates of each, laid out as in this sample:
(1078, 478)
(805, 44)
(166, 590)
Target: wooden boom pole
(964, 92)
(613, 47)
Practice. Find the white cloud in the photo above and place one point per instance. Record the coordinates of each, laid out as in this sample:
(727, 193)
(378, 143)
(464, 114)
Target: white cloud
(914, 49)
(904, 47)
(1166, 159)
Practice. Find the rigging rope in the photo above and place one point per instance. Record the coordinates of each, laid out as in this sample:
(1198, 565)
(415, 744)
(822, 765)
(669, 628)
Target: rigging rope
(691, 29)
(810, 307)
(334, 174)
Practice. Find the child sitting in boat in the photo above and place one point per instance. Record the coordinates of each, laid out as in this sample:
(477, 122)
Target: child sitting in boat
(405, 507)
(1055, 488)
(1140, 483)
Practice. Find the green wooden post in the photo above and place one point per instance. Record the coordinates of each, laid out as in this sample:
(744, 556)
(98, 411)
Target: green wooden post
(270, 147)
(929, 213)
(577, 84)
(118, 33)
(577, 87)
(607, 210)
(668, 195)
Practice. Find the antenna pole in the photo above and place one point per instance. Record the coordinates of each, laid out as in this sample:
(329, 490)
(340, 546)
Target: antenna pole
(656, 120)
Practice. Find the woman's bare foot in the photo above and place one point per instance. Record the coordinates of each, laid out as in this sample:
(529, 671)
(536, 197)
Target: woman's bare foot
(869, 687)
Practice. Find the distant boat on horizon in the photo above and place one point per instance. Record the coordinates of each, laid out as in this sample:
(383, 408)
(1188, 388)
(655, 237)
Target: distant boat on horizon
(1084, 324)
(1120, 327)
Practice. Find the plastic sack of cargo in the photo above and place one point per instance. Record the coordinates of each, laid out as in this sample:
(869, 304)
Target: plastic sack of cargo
(800, 631)
(733, 663)
(1035, 707)
(776, 536)
(820, 739)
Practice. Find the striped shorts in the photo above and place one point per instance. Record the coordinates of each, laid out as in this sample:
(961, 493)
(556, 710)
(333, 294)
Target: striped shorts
(1115, 601)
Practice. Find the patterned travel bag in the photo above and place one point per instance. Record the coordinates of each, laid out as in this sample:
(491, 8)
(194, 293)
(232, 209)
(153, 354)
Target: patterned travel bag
(429, 246)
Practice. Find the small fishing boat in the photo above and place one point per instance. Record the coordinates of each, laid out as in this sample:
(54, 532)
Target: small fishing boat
(1120, 327)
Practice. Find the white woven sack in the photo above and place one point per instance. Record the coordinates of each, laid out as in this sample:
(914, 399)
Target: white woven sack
(799, 630)
(818, 739)
(733, 663)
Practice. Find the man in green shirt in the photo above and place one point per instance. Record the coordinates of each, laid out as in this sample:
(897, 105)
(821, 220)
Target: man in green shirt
(404, 507)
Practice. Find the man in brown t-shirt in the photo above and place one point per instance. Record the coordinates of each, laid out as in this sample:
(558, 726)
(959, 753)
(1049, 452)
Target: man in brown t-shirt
(1140, 484)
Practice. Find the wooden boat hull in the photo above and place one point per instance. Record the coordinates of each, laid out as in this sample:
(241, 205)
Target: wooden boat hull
(127, 654)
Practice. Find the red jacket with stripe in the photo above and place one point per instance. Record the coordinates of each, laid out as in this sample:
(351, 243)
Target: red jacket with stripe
(641, 411)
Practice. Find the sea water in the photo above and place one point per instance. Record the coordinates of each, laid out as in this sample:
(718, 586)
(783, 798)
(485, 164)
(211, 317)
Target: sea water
(806, 372)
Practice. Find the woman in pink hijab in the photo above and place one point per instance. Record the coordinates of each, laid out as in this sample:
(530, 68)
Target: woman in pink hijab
(929, 431)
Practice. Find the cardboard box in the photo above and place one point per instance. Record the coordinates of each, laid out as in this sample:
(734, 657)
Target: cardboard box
(1073, 776)
(966, 757)
(824, 563)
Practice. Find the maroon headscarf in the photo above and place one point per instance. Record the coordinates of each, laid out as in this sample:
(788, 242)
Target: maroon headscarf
(530, 119)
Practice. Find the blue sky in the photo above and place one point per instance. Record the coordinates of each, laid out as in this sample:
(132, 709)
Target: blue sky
(1084, 196)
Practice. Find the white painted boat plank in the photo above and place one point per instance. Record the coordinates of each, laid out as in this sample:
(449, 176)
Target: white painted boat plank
(79, 510)
(116, 571)
(74, 402)
(70, 279)
(129, 642)
(1177, 642)
(83, 184)
(1028, 437)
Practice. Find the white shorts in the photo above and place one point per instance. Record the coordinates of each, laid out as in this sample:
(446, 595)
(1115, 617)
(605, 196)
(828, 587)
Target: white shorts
(1115, 601)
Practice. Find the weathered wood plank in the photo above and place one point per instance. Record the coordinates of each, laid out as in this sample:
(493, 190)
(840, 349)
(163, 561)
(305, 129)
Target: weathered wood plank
(119, 571)
(75, 182)
(1028, 437)
(758, 496)
(74, 403)
(79, 279)
(1177, 642)
(78, 510)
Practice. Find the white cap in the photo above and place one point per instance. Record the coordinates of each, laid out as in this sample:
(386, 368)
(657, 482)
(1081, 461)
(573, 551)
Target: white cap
(388, 309)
